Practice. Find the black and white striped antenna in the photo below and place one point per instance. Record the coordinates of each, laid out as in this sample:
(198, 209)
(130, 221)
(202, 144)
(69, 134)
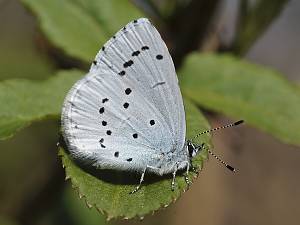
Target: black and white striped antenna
(219, 128)
(232, 169)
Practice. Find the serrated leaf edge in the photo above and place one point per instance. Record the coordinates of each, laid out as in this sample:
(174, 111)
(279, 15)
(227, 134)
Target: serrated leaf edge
(193, 176)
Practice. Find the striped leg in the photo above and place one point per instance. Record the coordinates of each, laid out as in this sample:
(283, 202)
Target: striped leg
(174, 176)
(186, 176)
(142, 178)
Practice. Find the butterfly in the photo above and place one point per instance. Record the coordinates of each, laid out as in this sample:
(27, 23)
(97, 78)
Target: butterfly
(127, 113)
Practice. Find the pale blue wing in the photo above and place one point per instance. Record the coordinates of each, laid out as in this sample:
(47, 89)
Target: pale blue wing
(128, 111)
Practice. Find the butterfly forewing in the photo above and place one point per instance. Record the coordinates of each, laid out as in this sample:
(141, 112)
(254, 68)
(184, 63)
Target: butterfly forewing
(128, 109)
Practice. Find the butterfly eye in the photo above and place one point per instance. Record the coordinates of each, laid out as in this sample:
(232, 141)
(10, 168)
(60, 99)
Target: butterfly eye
(191, 149)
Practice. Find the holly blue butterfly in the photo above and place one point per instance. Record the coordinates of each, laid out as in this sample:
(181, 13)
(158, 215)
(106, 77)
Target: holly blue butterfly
(127, 113)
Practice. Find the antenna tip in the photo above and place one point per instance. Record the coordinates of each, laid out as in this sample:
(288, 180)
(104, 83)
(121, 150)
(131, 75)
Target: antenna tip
(238, 122)
(230, 168)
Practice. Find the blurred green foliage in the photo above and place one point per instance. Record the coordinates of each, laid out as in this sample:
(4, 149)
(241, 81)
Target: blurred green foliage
(41, 102)
(81, 214)
(239, 89)
(80, 27)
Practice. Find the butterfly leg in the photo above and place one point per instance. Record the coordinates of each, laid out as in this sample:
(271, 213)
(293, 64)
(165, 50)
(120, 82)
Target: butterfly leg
(142, 178)
(174, 176)
(186, 176)
(194, 169)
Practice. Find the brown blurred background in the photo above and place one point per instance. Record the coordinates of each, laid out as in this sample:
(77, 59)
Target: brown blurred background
(266, 189)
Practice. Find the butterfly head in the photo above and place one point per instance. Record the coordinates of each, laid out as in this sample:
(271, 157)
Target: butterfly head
(193, 149)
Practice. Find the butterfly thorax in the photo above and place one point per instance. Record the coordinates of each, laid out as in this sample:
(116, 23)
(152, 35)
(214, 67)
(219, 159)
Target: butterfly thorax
(168, 161)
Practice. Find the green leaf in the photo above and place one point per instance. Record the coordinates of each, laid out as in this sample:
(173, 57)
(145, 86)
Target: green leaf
(80, 27)
(114, 199)
(23, 101)
(79, 212)
(110, 15)
(246, 91)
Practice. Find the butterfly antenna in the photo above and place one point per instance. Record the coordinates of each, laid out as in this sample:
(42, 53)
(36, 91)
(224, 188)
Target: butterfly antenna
(219, 128)
(232, 169)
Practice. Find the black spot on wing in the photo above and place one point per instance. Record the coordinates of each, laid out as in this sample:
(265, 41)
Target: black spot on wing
(135, 53)
(126, 105)
(122, 73)
(104, 100)
(101, 110)
(159, 57)
(127, 91)
(144, 48)
(128, 63)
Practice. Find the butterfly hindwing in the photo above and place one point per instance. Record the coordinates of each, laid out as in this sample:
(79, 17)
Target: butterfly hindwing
(128, 109)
